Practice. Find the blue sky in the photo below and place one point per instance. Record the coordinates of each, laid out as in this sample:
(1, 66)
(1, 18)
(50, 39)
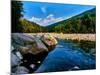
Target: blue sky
(48, 13)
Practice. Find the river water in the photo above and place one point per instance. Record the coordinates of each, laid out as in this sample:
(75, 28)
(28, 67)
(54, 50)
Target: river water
(66, 57)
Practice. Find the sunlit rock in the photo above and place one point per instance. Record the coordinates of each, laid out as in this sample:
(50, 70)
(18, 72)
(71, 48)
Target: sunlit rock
(49, 41)
(28, 44)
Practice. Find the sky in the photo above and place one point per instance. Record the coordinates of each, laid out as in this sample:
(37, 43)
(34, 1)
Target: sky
(48, 13)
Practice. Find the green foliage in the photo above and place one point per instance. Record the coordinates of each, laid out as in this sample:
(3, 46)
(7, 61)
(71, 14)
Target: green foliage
(16, 9)
(30, 27)
(83, 23)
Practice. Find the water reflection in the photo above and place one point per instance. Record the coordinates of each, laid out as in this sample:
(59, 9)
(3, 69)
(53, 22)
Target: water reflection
(69, 55)
(86, 46)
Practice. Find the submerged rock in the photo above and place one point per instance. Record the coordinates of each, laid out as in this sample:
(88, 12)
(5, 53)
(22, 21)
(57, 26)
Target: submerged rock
(20, 70)
(93, 52)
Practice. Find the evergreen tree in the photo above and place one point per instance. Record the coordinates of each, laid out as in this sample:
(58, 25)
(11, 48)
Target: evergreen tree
(16, 9)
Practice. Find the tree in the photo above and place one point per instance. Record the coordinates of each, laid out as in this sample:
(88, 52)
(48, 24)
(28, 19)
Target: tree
(16, 9)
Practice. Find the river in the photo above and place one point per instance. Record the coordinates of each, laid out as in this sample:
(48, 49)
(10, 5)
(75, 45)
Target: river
(66, 57)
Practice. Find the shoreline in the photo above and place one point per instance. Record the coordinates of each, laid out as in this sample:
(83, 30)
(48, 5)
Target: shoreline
(67, 36)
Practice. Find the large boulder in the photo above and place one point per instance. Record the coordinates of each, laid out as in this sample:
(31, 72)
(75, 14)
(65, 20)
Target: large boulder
(49, 40)
(26, 43)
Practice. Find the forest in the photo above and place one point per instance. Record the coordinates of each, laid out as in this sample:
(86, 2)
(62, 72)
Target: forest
(82, 23)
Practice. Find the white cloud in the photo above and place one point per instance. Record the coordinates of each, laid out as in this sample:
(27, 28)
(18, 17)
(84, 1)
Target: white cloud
(50, 16)
(43, 9)
(35, 19)
(50, 19)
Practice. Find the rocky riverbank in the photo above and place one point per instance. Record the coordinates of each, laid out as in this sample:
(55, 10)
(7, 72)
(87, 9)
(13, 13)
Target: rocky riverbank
(85, 37)
(29, 51)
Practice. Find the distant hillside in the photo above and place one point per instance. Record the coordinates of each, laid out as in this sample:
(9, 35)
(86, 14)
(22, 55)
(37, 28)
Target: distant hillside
(82, 23)
(30, 27)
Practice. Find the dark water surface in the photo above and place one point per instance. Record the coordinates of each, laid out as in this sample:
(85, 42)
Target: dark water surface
(66, 56)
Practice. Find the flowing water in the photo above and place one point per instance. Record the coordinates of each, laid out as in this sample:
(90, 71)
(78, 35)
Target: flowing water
(66, 57)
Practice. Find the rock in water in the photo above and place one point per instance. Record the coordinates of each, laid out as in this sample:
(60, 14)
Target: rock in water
(26, 43)
(49, 41)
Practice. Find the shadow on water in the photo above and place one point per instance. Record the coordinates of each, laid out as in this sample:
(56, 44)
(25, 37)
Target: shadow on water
(36, 60)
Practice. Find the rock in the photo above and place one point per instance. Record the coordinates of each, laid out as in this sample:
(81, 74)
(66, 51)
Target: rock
(12, 48)
(26, 43)
(20, 70)
(49, 40)
(22, 39)
(15, 61)
(74, 68)
(92, 51)
(16, 57)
